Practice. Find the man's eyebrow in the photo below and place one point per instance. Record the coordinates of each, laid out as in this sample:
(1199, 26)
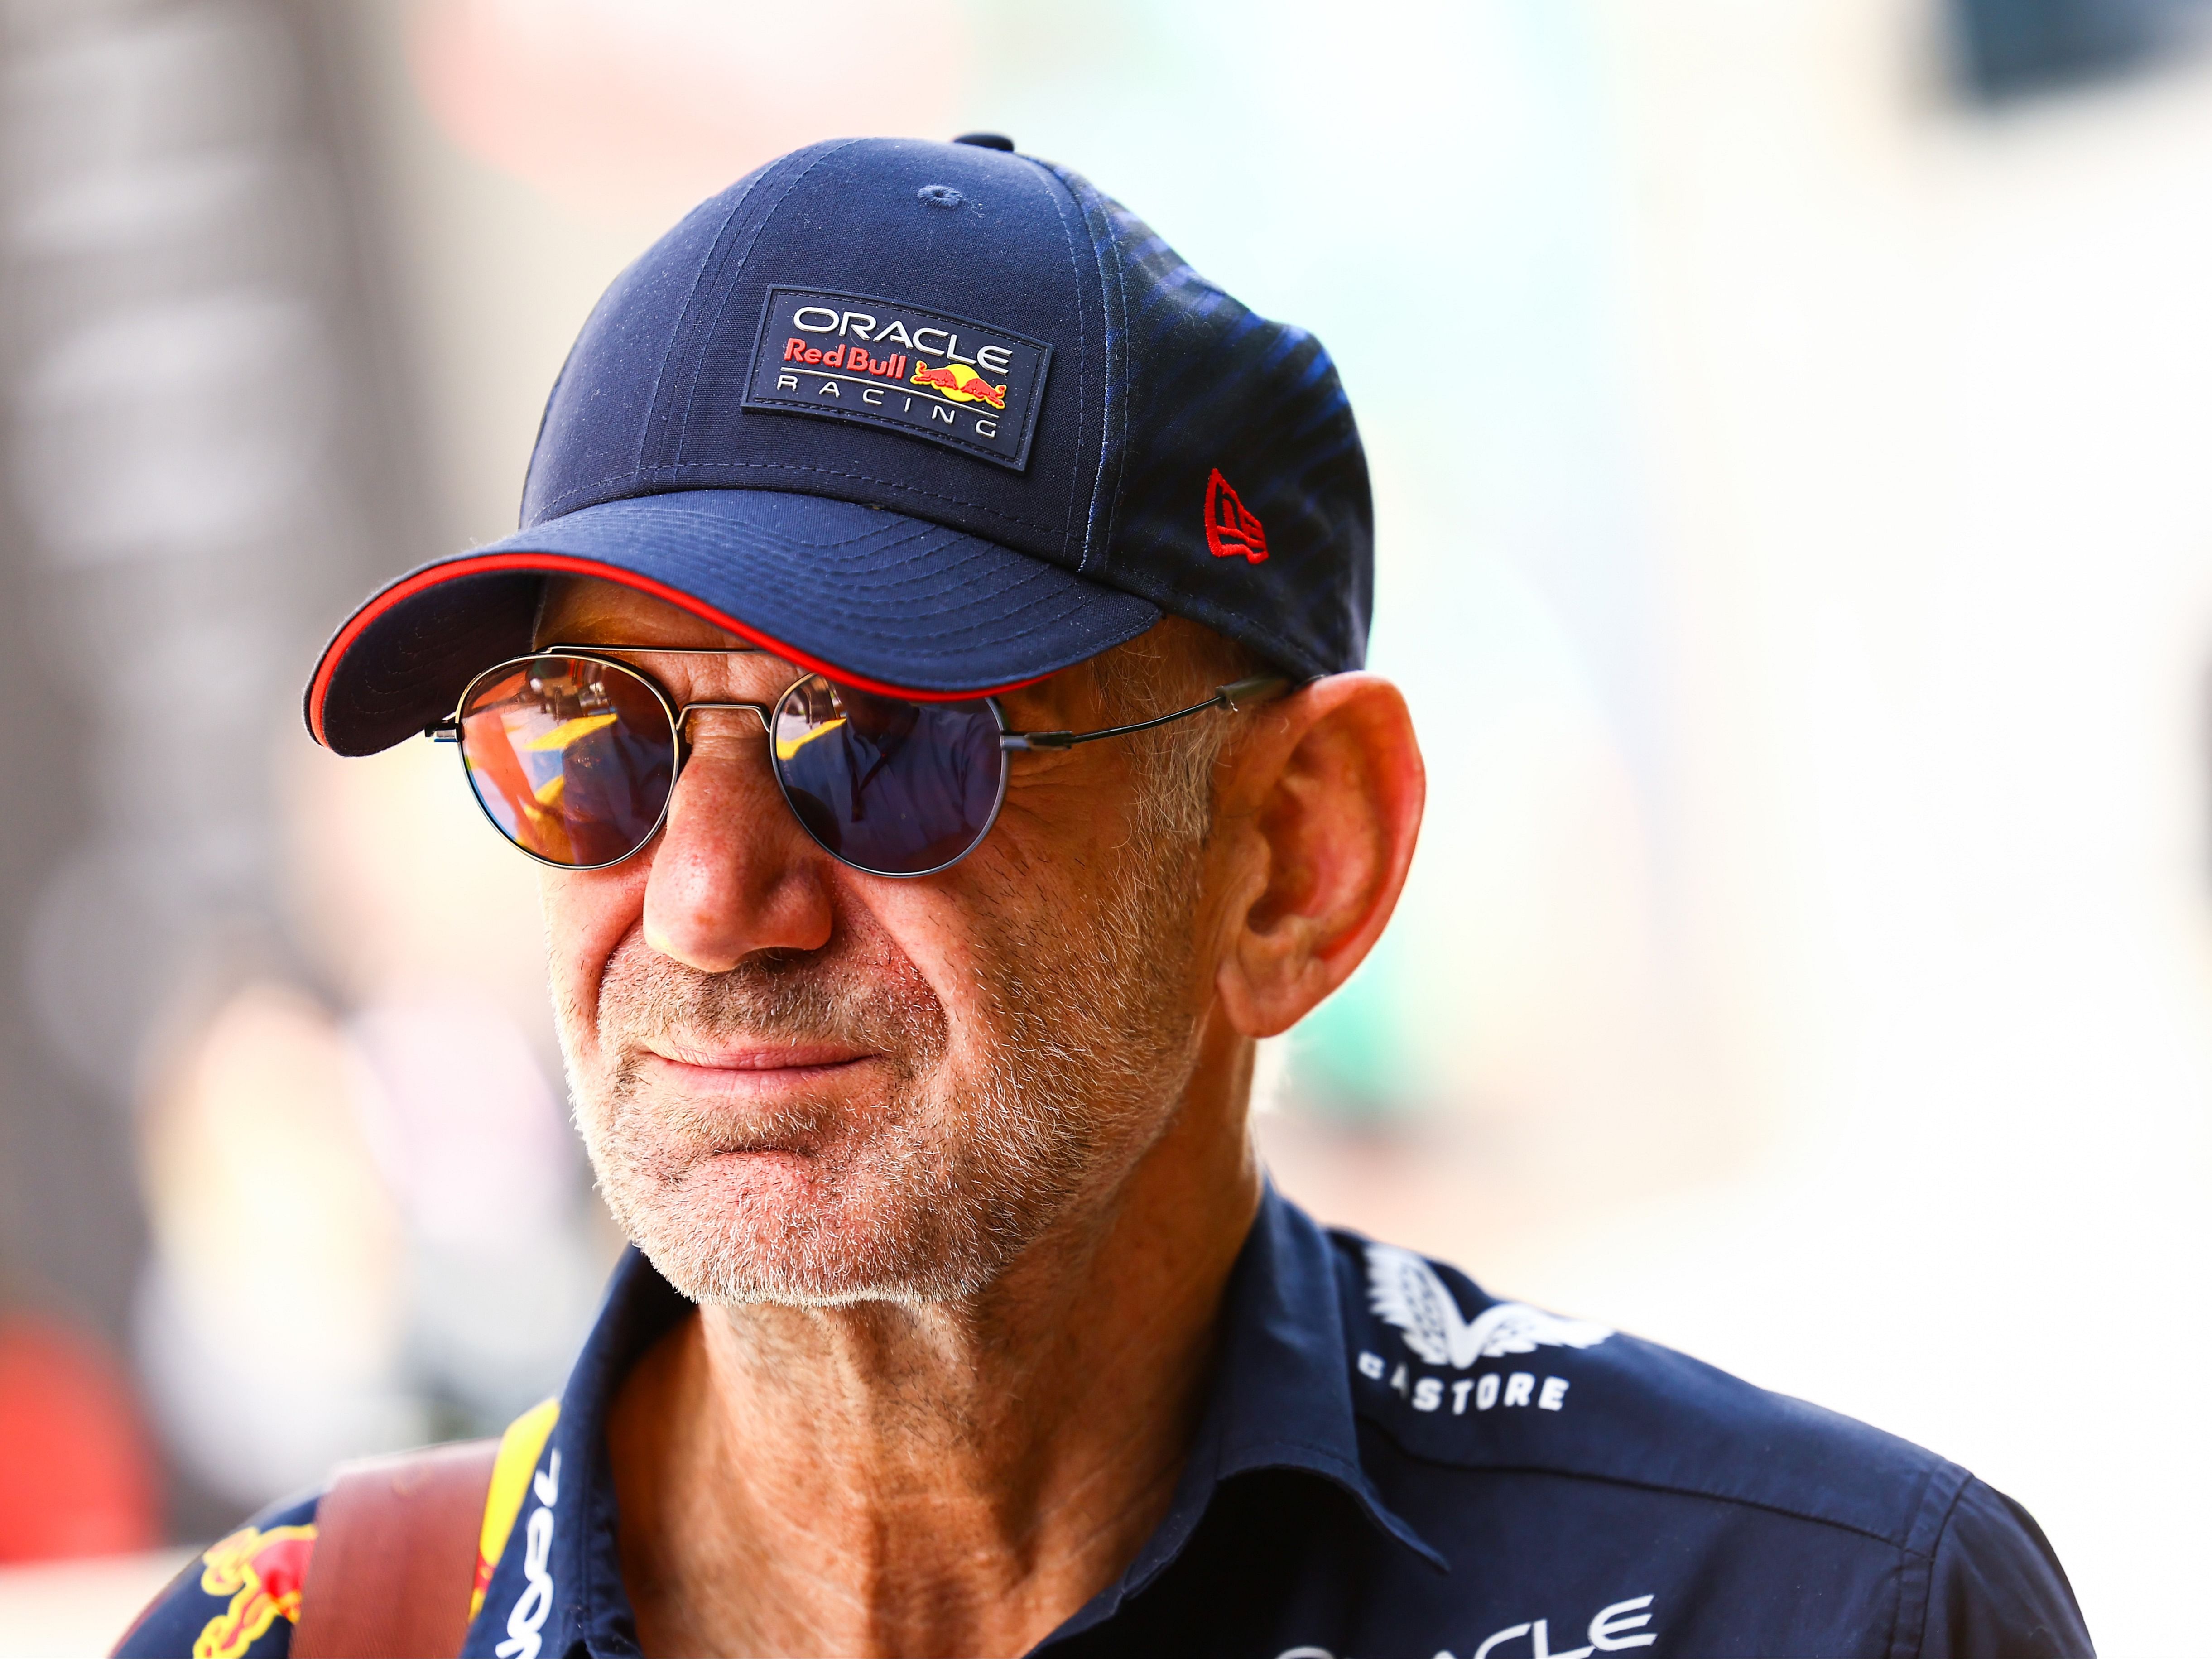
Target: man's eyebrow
(660, 650)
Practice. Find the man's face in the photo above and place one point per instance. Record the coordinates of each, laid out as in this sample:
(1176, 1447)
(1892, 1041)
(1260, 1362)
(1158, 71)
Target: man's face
(800, 1083)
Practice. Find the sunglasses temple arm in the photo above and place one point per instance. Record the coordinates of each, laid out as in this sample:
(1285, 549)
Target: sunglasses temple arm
(1236, 697)
(445, 730)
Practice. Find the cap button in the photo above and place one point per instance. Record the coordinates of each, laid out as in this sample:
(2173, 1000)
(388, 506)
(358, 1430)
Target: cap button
(986, 140)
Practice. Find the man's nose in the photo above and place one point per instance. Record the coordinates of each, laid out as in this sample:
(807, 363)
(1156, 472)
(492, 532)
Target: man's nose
(734, 871)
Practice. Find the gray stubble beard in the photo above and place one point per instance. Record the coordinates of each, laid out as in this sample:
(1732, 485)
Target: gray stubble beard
(1089, 1045)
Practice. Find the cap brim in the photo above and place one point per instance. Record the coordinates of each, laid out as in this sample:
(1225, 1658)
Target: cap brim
(871, 597)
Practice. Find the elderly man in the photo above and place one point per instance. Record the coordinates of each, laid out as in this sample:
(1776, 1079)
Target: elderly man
(929, 677)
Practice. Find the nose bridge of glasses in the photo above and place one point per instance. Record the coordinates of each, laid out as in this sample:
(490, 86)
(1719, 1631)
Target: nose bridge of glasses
(760, 711)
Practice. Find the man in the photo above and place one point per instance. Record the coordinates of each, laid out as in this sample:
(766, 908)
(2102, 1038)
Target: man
(929, 674)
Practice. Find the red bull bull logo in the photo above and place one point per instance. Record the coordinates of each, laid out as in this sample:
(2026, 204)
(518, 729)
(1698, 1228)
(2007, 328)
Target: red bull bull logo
(262, 1573)
(960, 383)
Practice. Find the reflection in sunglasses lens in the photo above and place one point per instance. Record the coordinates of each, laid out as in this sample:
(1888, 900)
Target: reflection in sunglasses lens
(572, 759)
(895, 787)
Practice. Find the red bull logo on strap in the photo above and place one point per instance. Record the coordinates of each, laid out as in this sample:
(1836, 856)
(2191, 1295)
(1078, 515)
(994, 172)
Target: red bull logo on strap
(952, 381)
(262, 1573)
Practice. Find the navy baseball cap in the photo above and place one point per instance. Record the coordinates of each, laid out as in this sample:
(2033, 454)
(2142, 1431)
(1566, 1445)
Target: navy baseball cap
(936, 420)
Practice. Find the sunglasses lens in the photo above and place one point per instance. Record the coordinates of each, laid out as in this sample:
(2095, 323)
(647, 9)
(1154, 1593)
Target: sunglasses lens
(895, 788)
(571, 759)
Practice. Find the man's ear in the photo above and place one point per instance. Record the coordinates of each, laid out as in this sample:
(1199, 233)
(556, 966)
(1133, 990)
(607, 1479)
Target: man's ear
(1323, 806)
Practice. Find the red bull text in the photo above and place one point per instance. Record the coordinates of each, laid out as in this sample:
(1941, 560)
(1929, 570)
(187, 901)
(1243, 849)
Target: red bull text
(852, 359)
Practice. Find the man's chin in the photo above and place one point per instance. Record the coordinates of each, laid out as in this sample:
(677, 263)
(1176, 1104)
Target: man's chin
(767, 1227)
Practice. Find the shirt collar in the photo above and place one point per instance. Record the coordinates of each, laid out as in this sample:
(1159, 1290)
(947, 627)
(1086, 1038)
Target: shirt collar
(1280, 1398)
(589, 1607)
(1284, 1392)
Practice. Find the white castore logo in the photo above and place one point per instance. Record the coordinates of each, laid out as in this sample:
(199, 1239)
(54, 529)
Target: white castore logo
(535, 1601)
(1404, 1291)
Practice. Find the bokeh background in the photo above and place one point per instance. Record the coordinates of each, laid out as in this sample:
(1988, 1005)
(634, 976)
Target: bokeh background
(1794, 468)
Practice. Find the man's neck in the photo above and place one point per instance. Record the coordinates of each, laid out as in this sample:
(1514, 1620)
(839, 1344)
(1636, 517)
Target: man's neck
(946, 1478)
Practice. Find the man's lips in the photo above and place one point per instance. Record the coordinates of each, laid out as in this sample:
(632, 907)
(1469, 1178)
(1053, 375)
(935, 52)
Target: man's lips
(763, 1057)
(735, 1084)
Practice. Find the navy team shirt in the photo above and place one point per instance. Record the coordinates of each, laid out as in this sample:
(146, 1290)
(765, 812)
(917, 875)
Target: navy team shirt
(1391, 1461)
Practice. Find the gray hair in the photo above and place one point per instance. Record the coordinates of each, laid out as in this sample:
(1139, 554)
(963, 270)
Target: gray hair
(1172, 666)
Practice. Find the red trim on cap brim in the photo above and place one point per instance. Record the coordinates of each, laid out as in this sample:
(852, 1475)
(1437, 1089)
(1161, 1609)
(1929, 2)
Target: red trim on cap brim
(568, 564)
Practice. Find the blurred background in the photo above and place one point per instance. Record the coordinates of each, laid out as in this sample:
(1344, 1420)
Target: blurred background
(1803, 582)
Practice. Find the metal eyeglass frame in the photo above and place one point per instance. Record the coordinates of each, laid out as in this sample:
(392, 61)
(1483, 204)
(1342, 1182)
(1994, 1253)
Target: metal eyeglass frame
(1235, 698)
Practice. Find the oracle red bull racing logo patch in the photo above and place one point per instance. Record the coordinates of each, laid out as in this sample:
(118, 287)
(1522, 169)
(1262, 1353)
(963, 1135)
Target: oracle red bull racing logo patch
(926, 373)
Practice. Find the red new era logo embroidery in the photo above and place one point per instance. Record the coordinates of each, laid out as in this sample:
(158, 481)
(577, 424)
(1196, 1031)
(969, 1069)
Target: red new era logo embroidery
(1229, 529)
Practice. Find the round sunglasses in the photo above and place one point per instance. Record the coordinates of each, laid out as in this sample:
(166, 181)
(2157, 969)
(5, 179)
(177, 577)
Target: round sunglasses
(574, 757)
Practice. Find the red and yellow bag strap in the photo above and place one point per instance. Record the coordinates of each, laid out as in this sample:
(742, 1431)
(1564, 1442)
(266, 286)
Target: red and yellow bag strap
(520, 1449)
